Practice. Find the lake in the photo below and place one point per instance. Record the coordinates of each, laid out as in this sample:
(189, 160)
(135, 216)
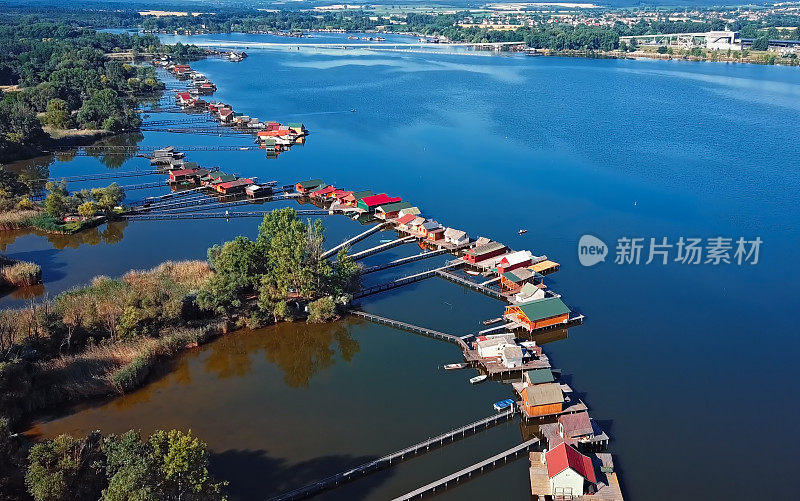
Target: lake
(687, 367)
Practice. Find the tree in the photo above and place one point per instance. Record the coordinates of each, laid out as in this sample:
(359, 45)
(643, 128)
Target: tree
(57, 114)
(760, 43)
(87, 209)
(66, 468)
(322, 310)
(10, 185)
(238, 266)
(662, 49)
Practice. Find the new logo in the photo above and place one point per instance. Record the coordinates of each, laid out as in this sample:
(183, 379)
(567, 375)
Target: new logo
(591, 250)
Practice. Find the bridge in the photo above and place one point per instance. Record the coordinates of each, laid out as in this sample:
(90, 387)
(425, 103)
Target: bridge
(710, 39)
(396, 457)
(475, 469)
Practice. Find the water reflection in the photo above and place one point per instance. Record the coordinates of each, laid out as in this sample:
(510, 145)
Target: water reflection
(115, 159)
(110, 233)
(300, 350)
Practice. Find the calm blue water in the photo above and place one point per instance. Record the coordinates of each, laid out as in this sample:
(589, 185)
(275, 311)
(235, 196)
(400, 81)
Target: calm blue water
(690, 368)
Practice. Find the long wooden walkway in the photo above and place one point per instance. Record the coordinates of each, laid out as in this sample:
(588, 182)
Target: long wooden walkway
(216, 215)
(105, 175)
(399, 282)
(212, 201)
(416, 329)
(404, 260)
(350, 241)
(475, 469)
(396, 457)
(470, 284)
(381, 247)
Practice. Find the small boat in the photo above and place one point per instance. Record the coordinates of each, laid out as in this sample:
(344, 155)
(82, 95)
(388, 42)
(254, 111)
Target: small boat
(503, 404)
(386, 240)
(472, 272)
(522, 232)
(478, 379)
(353, 110)
(452, 367)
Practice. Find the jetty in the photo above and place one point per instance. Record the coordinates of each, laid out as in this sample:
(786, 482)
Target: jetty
(397, 456)
(381, 247)
(470, 471)
(416, 329)
(347, 243)
(404, 260)
(399, 282)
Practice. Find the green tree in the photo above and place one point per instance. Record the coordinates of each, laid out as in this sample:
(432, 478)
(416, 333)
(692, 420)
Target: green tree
(67, 469)
(87, 209)
(322, 310)
(57, 114)
(760, 43)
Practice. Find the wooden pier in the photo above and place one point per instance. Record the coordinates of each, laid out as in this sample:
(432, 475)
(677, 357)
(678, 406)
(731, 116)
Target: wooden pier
(347, 243)
(381, 247)
(476, 469)
(216, 215)
(412, 328)
(471, 285)
(98, 177)
(404, 260)
(399, 282)
(396, 457)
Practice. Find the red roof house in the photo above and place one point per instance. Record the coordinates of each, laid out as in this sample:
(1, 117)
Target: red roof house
(233, 186)
(323, 193)
(181, 174)
(370, 203)
(569, 471)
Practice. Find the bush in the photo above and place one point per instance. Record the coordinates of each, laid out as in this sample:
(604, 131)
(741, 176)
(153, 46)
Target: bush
(21, 274)
(322, 310)
(18, 219)
(282, 311)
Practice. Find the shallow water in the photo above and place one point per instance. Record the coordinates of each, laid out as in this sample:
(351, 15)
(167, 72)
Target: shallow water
(674, 360)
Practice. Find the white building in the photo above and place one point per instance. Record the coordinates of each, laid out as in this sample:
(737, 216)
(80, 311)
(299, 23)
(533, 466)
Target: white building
(511, 356)
(571, 473)
(492, 346)
(528, 293)
(456, 237)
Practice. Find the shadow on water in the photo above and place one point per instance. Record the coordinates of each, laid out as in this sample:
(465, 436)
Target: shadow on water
(253, 474)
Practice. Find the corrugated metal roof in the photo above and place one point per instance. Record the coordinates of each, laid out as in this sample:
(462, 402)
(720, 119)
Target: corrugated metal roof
(310, 183)
(544, 394)
(544, 308)
(539, 376)
(393, 207)
(486, 248)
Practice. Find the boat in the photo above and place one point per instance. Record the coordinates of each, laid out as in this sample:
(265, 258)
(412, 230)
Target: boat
(522, 232)
(386, 240)
(503, 404)
(472, 272)
(478, 379)
(452, 367)
(353, 110)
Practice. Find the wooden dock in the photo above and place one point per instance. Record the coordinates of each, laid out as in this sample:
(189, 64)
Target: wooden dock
(399, 282)
(412, 328)
(471, 285)
(474, 470)
(396, 457)
(215, 215)
(350, 241)
(404, 260)
(381, 247)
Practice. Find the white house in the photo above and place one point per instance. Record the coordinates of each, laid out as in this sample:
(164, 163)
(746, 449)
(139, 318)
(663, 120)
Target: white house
(570, 472)
(409, 210)
(456, 237)
(511, 356)
(528, 293)
(492, 346)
